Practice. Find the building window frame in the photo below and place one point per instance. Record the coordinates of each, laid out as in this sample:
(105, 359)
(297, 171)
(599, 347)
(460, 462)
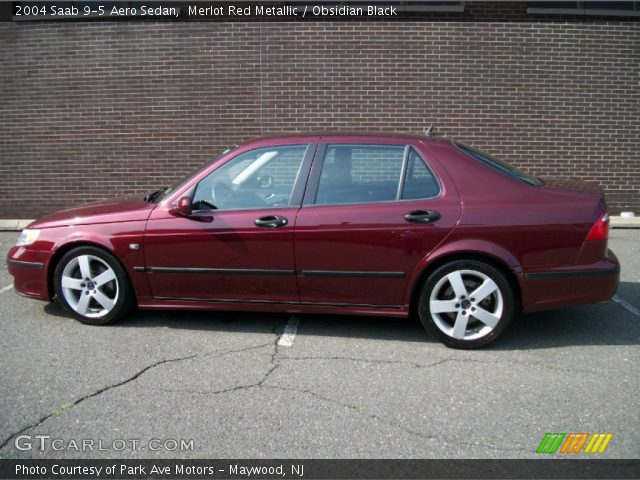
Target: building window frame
(582, 8)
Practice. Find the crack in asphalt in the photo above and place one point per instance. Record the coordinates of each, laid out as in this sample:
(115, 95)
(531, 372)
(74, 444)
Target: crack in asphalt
(391, 423)
(94, 394)
(70, 405)
(372, 360)
(440, 362)
(388, 422)
(274, 365)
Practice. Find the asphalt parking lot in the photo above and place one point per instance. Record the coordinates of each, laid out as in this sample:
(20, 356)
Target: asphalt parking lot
(235, 386)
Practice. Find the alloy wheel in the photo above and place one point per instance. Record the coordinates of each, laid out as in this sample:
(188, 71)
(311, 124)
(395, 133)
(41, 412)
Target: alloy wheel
(89, 286)
(466, 305)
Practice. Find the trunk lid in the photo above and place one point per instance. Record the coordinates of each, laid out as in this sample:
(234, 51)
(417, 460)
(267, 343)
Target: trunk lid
(572, 185)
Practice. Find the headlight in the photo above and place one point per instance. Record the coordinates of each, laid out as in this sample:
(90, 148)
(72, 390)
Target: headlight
(27, 237)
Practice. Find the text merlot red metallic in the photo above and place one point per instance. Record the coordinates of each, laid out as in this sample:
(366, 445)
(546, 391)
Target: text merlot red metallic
(339, 224)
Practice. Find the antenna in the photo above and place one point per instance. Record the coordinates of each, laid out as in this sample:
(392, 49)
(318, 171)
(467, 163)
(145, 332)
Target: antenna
(429, 131)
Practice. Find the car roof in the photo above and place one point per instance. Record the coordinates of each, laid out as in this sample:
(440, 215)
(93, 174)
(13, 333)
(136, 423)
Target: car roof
(345, 136)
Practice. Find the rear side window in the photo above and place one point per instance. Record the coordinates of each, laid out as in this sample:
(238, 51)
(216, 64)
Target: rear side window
(419, 180)
(373, 173)
(499, 165)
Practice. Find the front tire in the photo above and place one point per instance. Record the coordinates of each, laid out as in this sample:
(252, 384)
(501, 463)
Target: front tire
(92, 286)
(466, 304)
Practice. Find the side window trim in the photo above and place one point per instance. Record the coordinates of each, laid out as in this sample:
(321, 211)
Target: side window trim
(403, 172)
(302, 177)
(314, 175)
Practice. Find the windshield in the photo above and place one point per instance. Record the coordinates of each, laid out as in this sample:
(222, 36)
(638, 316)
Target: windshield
(160, 194)
(499, 165)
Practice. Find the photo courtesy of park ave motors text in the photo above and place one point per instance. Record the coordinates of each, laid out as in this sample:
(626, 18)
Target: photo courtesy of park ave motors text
(315, 237)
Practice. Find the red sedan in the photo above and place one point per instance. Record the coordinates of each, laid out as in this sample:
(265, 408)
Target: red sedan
(339, 224)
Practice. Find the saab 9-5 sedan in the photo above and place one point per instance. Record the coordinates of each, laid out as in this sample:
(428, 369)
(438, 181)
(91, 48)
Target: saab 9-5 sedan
(339, 224)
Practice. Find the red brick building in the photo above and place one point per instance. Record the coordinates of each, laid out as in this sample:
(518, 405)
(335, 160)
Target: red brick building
(92, 109)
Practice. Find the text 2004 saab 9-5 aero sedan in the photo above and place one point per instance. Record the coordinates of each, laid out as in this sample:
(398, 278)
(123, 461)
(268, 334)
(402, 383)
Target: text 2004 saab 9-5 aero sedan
(339, 224)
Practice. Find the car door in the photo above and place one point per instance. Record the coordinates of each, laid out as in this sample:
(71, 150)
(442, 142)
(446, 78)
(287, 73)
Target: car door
(371, 212)
(237, 245)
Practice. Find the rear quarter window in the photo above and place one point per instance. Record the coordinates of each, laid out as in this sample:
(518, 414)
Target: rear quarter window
(497, 164)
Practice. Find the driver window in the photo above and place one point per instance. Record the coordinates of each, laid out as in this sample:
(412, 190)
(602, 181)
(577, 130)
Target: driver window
(259, 178)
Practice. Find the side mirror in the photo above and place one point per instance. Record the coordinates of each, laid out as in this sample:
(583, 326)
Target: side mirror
(184, 207)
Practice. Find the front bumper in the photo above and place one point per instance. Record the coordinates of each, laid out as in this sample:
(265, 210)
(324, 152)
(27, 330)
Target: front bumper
(29, 270)
(567, 286)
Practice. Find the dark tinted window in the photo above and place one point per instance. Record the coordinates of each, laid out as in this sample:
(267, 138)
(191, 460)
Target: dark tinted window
(419, 180)
(360, 173)
(628, 5)
(499, 165)
(261, 178)
(371, 173)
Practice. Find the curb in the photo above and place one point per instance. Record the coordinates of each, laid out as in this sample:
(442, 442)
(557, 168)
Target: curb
(615, 222)
(624, 222)
(13, 225)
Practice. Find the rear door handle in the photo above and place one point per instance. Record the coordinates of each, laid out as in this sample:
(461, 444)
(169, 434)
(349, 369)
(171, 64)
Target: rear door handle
(271, 221)
(422, 216)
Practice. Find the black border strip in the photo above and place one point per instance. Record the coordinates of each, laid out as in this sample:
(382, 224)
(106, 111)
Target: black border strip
(218, 271)
(350, 273)
(571, 274)
(261, 271)
(23, 264)
(271, 302)
(539, 468)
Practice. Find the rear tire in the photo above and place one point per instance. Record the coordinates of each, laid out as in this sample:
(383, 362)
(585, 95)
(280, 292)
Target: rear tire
(92, 286)
(466, 304)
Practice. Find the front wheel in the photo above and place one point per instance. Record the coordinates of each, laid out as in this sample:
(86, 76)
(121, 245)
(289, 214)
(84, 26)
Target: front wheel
(466, 304)
(92, 285)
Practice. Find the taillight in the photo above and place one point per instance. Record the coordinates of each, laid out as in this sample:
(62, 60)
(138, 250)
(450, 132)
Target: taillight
(600, 229)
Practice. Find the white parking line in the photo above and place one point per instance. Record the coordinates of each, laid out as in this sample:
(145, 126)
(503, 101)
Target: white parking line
(286, 340)
(627, 305)
(6, 289)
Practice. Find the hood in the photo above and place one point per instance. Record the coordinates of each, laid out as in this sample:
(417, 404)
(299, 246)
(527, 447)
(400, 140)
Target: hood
(106, 211)
(572, 185)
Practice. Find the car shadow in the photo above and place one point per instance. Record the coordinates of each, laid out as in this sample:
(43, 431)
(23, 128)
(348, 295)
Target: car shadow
(608, 323)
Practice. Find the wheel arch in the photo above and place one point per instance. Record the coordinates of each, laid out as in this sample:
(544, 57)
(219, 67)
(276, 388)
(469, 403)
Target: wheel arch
(63, 249)
(494, 256)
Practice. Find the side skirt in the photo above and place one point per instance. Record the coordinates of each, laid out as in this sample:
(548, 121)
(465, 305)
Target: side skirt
(148, 303)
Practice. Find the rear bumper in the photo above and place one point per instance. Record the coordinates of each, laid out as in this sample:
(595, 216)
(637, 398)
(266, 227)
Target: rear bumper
(564, 287)
(29, 270)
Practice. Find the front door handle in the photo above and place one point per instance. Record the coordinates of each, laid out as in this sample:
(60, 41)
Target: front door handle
(271, 221)
(422, 216)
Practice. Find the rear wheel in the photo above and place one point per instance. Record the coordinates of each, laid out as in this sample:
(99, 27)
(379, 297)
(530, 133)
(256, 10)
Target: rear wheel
(92, 285)
(466, 303)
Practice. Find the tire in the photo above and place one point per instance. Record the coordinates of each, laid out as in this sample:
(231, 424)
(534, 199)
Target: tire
(92, 286)
(449, 310)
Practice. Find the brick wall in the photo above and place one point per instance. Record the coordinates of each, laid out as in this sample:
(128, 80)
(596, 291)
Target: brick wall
(91, 110)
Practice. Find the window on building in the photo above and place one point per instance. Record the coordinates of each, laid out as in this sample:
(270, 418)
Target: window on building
(602, 8)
